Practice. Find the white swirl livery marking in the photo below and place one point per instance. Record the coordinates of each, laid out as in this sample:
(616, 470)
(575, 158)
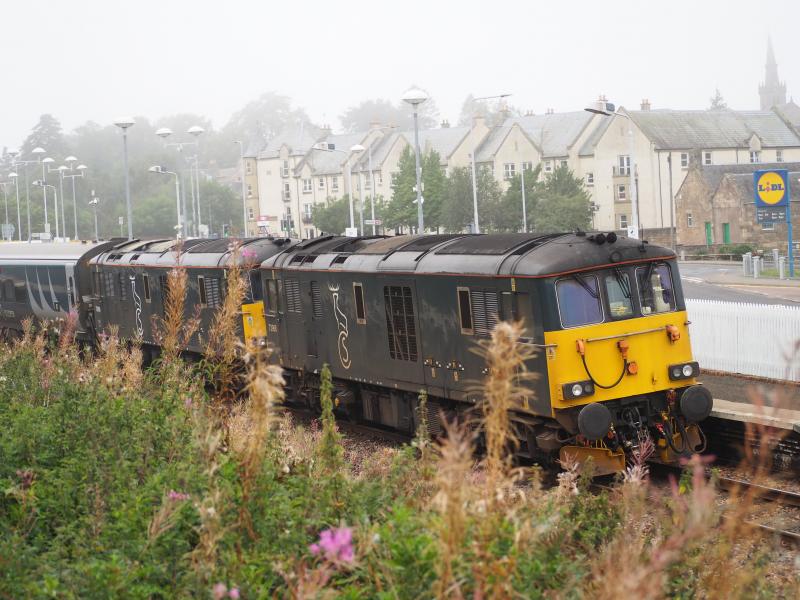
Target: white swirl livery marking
(341, 323)
(138, 302)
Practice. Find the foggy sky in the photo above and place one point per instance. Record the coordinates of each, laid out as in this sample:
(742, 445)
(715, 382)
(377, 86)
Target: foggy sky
(98, 59)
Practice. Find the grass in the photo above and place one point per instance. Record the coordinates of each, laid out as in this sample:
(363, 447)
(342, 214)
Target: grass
(118, 483)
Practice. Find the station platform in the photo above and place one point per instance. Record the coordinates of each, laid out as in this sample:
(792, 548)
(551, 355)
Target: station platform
(780, 418)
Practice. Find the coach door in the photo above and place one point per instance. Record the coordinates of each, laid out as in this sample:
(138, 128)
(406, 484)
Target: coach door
(402, 331)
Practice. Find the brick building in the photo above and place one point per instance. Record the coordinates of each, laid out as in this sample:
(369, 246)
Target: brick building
(715, 206)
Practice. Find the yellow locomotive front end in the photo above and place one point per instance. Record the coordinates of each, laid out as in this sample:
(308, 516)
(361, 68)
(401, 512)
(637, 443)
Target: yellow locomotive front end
(621, 374)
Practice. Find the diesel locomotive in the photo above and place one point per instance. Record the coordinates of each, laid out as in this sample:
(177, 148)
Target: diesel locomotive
(395, 315)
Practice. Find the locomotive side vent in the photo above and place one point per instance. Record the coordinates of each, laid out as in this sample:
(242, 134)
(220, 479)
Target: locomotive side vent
(293, 303)
(316, 300)
(484, 312)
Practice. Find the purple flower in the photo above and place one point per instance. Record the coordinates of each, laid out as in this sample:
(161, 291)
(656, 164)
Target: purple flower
(234, 593)
(177, 496)
(335, 544)
(219, 590)
(248, 254)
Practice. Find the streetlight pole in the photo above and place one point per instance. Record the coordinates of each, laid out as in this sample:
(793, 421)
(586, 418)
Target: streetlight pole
(124, 123)
(244, 193)
(93, 203)
(5, 197)
(372, 188)
(80, 168)
(354, 148)
(61, 170)
(196, 131)
(160, 170)
(607, 109)
(524, 206)
(15, 176)
(44, 185)
(49, 160)
(415, 97)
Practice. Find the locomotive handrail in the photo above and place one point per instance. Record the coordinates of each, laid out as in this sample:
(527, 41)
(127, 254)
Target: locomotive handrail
(622, 335)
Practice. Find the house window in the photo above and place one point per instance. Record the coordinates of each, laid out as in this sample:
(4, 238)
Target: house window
(689, 219)
(778, 155)
(684, 160)
(509, 170)
(548, 166)
(563, 164)
(768, 226)
(707, 158)
(623, 165)
(590, 179)
(306, 186)
(368, 181)
(335, 183)
(250, 213)
(285, 169)
(361, 311)
(287, 191)
(527, 166)
(307, 210)
(321, 183)
(380, 177)
(755, 156)
(621, 195)
(249, 190)
(623, 221)
(248, 167)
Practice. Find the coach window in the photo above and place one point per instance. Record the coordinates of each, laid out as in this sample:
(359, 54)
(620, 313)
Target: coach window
(272, 296)
(656, 293)
(146, 285)
(201, 287)
(361, 313)
(618, 291)
(579, 301)
(465, 310)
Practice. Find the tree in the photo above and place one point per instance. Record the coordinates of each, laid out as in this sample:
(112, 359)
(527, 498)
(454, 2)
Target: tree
(717, 101)
(333, 216)
(512, 200)
(495, 112)
(491, 213)
(46, 134)
(564, 204)
(434, 182)
(456, 211)
(362, 115)
(401, 211)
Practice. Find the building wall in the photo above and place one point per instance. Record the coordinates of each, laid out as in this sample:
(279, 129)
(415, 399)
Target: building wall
(515, 149)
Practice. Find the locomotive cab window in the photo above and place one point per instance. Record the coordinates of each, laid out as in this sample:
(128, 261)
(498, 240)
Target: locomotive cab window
(361, 312)
(146, 286)
(656, 293)
(272, 296)
(465, 310)
(579, 301)
(618, 291)
(201, 289)
(256, 291)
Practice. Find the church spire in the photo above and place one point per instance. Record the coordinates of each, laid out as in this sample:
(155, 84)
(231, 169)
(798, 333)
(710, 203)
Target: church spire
(773, 90)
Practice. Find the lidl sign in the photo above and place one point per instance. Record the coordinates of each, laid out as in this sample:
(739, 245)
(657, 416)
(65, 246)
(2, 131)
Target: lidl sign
(771, 192)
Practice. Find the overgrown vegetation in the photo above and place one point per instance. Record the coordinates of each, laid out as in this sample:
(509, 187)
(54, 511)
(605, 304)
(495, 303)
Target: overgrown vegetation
(123, 483)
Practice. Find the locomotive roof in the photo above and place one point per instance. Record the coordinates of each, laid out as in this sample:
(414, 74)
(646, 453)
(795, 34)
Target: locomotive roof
(192, 252)
(45, 251)
(517, 254)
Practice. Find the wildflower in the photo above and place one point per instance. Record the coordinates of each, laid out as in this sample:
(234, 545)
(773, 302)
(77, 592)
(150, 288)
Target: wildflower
(219, 591)
(188, 403)
(234, 593)
(177, 496)
(335, 544)
(248, 254)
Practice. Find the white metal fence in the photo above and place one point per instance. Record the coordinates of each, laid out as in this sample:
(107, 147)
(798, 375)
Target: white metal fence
(753, 339)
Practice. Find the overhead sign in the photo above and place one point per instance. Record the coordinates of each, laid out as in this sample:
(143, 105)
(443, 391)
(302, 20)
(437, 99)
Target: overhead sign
(771, 194)
(373, 222)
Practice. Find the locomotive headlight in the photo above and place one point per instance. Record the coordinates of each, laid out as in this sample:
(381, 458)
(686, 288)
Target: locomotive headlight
(683, 371)
(579, 389)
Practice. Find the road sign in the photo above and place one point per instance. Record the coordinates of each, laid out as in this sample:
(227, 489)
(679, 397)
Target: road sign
(351, 232)
(8, 230)
(771, 193)
(373, 222)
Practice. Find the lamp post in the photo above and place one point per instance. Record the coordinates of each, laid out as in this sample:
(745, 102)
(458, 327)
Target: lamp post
(477, 228)
(39, 152)
(354, 148)
(93, 203)
(15, 176)
(607, 109)
(71, 160)
(45, 168)
(24, 163)
(162, 171)
(372, 177)
(5, 197)
(44, 185)
(244, 194)
(524, 207)
(196, 131)
(61, 170)
(415, 97)
(125, 123)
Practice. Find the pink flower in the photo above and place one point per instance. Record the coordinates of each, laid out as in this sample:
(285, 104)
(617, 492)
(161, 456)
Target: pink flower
(335, 544)
(234, 593)
(248, 254)
(219, 590)
(188, 403)
(177, 496)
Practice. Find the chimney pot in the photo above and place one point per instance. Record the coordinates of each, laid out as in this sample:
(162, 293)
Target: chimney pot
(645, 104)
(445, 124)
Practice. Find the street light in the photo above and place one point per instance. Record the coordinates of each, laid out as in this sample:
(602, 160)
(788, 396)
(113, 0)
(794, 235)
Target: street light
(607, 109)
(125, 123)
(415, 97)
(44, 185)
(372, 178)
(244, 195)
(16, 162)
(61, 170)
(196, 131)
(15, 177)
(5, 197)
(93, 203)
(71, 160)
(46, 165)
(160, 170)
(477, 228)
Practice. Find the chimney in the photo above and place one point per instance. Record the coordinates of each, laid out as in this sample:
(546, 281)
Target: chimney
(374, 125)
(529, 113)
(445, 124)
(549, 111)
(326, 130)
(645, 104)
(478, 121)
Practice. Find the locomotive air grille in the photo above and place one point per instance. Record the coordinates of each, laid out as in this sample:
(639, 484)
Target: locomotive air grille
(316, 300)
(213, 296)
(400, 322)
(484, 311)
(293, 303)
